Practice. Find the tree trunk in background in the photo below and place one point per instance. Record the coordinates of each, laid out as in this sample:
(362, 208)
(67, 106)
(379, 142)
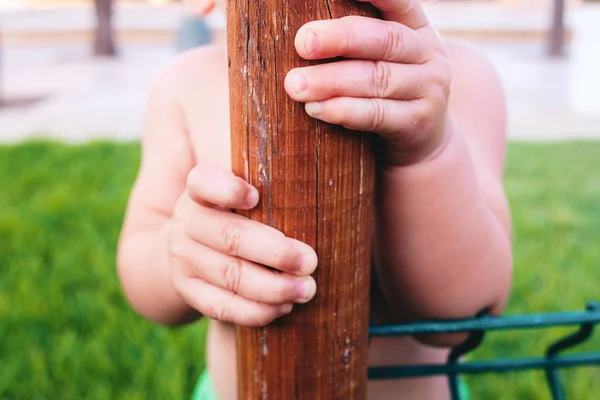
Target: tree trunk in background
(557, 32)
(316, 184)
(103, 37)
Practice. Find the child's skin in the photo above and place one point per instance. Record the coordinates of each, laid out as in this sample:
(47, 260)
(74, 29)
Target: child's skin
(442, 245)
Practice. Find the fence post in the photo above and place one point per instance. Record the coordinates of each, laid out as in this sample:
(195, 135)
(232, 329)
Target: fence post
(316, 184)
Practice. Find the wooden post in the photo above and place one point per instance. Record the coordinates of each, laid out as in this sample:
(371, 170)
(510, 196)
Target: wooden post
(316, 184)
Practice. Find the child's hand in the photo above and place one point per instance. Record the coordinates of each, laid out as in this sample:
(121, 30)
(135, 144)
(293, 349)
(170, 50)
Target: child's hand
(218, 258)
(395, 78)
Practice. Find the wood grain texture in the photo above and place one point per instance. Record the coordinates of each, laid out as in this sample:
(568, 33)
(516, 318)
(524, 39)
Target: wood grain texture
(316, 184)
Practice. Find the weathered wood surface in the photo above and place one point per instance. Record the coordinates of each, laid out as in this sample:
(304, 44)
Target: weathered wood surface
(316, 185)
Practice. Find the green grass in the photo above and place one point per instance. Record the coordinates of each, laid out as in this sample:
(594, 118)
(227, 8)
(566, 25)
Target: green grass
(65, 329)
(67, 333)
(554, 190)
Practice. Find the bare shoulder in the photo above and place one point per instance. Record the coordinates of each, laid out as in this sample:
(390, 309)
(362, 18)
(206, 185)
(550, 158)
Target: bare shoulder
(193, 74)
(177, 97)
(188, 79)
(472, 73)
(477, 107)
(459, 50)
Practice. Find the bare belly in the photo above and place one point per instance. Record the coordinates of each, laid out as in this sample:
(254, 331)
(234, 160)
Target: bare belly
(221, 358)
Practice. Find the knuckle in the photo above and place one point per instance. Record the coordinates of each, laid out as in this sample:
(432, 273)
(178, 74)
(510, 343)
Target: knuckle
(182, 209)
(333, 78)
(230, 237)
(232, 275)
(381, 77)
(349, 37)
(177, 270)
(419, 118)
(177, 284)
(178, 228)
(445, 79)
(222, 311)
(178, 248)
(177, 252)
(186, 215)
(441, 77)
(431, 112)
(439, 97)
(377, 115)
(393, 41)
(422, 122)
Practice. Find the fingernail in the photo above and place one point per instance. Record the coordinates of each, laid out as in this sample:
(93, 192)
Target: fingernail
(252, 197)
(308, 262)
(313, 109)
(300, 82)
(285, 309)
(311, 42)
(305, 291)
(306, 258)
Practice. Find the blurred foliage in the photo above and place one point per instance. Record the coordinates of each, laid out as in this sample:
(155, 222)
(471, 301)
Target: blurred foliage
(66, 331)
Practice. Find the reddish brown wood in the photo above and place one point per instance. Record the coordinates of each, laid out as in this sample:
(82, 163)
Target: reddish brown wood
(316, 184)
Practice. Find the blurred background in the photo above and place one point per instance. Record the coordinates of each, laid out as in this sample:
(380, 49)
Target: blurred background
(74, 78)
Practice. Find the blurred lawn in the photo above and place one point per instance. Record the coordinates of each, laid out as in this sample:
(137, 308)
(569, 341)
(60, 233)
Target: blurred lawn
(67, 333)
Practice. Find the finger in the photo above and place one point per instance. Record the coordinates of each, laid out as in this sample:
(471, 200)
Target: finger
(360, 38)
(221, 305)
(357, 78)
(241, 237)
(385, 117)
(407, 12)
(249, 280)
(412, 134)
(207, 184)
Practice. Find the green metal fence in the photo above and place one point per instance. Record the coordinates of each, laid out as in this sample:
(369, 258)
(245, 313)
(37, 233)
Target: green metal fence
(551, 362)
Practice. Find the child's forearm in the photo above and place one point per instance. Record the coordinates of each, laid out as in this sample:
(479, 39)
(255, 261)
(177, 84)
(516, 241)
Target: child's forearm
(144, 272)
(442, 244)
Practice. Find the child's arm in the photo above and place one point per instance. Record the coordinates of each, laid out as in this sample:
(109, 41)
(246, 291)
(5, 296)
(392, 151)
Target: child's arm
(182, 253)
(442, 237)
(166, 159)
(443, 242)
